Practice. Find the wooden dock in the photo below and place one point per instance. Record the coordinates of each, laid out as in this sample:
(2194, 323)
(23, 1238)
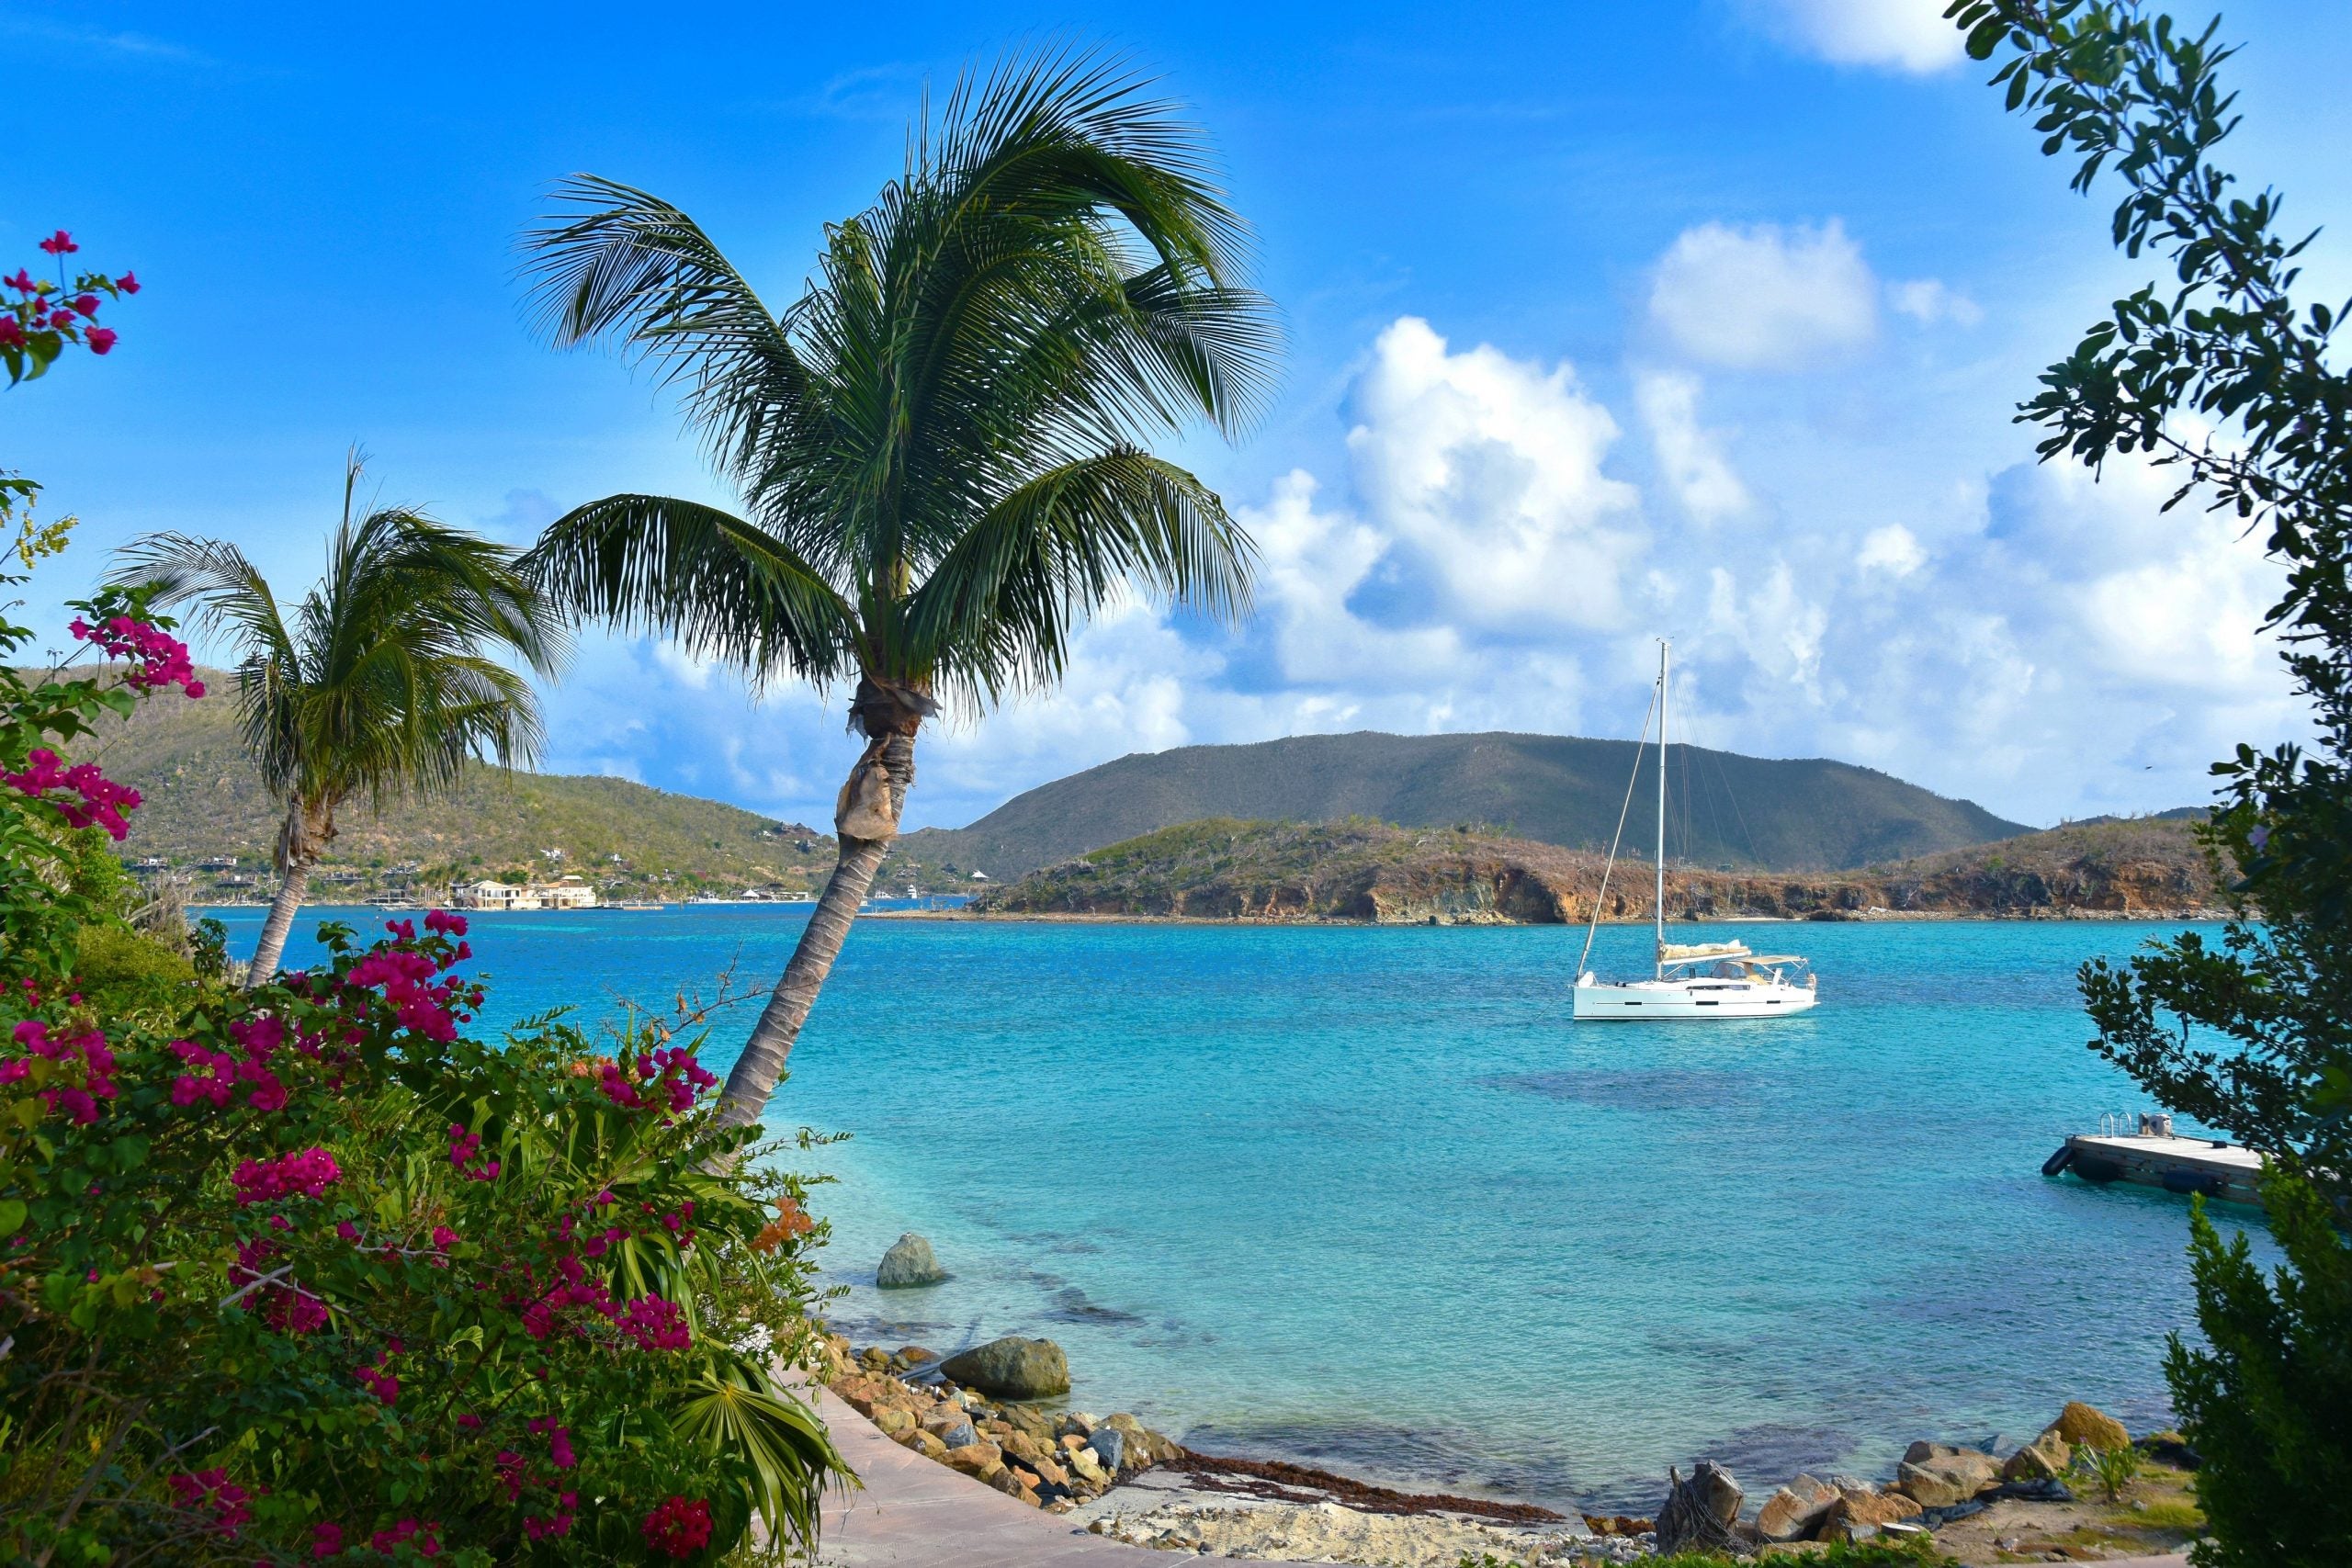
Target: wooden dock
(2177, 1164)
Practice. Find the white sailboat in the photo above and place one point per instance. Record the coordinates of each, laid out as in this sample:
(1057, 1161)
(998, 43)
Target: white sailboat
(1697, 980)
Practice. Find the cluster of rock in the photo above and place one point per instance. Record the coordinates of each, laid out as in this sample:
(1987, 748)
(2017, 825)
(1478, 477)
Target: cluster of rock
(1935, 1482)
(981, 1416)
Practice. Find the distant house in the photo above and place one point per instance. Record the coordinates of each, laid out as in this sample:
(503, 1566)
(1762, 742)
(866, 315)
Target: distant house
(490, 895)
(218, 862)
(564, 893)
(979, 876)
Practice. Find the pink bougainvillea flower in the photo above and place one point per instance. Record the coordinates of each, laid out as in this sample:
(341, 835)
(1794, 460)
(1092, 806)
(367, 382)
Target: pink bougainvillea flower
(23, 282)
(87, 304)
(101, 339)
(127, 283)
(679, 1528)
(60, 245)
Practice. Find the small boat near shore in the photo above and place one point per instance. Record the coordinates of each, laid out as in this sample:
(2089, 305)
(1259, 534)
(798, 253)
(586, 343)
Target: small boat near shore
(1697, 980)
(2151, 1155)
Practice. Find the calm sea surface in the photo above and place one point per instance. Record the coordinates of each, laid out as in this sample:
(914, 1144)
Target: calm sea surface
(1366, 1196)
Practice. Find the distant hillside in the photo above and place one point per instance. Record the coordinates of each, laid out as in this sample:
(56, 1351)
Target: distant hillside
(1376, 871)
(1729, 811)
(204, 802)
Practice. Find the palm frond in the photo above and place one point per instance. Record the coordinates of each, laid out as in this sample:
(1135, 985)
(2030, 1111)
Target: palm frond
(779, 1439)
(940, 449)
(615, 262)
(387, 675)
(998, 613)
(722, 587)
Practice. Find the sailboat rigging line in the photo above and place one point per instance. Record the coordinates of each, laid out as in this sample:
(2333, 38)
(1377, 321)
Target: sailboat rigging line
(1601, 898)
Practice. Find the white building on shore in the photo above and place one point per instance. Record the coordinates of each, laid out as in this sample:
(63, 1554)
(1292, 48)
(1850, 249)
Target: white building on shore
(563, 893)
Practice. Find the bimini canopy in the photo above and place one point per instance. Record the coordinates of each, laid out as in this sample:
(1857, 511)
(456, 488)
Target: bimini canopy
(1701, 952)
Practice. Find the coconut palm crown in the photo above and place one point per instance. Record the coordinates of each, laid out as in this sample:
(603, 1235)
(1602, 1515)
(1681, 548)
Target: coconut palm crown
(385, 678)
(941, 448)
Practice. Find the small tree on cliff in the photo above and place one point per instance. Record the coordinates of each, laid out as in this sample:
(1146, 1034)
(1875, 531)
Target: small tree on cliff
(383, 681)
(940, 449)
(2252, 1036)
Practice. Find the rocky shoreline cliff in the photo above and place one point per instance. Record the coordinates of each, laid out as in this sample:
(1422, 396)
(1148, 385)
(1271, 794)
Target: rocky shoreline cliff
(1376, 872)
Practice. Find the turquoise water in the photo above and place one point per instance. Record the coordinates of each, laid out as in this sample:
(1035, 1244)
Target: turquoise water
(1364, 1197)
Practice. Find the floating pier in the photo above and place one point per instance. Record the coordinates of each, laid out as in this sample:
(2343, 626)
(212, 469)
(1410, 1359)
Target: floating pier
(2153, 1157)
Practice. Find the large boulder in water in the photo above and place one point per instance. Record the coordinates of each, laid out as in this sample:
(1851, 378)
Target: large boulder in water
(1011, 1368)
(908, 1262)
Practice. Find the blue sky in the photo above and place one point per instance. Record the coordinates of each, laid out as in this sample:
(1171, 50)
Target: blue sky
(1700, 318)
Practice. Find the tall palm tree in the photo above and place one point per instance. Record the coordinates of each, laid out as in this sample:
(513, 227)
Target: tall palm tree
(940, 449)
(384, 680)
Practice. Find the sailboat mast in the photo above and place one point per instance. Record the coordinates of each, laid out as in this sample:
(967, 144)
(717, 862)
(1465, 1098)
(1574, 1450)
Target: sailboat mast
(1662, 645)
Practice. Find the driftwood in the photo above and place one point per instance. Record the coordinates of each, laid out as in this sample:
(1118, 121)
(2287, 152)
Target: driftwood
(1696, 1514)
(1278, 1480)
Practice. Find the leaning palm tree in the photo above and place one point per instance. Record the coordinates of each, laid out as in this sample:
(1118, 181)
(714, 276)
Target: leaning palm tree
(384, 680)
(940, 449)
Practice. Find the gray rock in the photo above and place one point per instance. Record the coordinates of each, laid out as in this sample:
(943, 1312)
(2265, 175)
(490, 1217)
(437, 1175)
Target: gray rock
(1110, 1445)
(1011, 1368)
(908, 1263)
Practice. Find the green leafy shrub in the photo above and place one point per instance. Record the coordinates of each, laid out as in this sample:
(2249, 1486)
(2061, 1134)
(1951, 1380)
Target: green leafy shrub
(305, 1275)
(2265, 1400)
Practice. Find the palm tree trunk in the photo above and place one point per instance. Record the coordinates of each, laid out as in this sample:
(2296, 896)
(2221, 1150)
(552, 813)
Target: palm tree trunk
(291, 885)
(760, 1066)
(306, 831)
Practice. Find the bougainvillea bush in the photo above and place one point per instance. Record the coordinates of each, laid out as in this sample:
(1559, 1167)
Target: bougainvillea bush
(308, 1274)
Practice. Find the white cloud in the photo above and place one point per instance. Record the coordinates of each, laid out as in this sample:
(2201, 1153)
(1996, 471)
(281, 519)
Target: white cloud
(1891, 549)
(1904, 35)
(1928, 301)
(1485, 474)
(683, 667)
(1696, 470)
(1765, 297)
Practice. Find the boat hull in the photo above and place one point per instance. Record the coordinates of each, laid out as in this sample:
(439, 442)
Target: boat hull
(1648, 1000)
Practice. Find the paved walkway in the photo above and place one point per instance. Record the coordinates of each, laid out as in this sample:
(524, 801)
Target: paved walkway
(915, 1512)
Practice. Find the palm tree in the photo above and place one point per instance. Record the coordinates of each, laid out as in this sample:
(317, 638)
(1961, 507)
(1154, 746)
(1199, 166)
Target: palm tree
(384, 680)
(939, 449)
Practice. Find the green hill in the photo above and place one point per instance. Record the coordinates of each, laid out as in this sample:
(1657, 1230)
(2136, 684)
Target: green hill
(1360, 870)
(1728, 811)
(204, 803)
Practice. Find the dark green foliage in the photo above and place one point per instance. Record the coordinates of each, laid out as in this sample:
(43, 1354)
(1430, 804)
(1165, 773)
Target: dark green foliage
(1728, 810)
(2128, 92)
(2252, 1035)
(2269, 1403)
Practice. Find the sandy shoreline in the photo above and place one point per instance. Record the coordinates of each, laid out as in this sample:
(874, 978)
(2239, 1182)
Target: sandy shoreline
(1114, 1480)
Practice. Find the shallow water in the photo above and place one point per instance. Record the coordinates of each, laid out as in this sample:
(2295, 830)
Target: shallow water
(1366, 1196)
